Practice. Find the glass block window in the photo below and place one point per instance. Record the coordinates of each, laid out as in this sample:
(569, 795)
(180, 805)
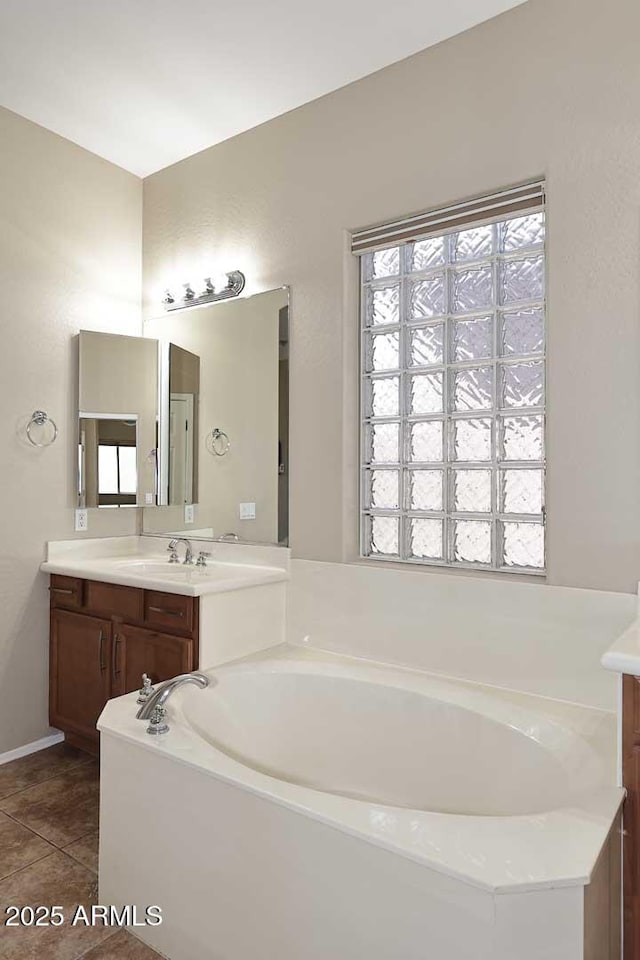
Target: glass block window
(453, 398)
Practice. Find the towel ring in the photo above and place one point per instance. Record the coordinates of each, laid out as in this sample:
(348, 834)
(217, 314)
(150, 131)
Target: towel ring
(39, 419)
(218, 442)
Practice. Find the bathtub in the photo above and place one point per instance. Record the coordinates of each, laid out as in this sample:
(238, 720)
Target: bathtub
(309, 806)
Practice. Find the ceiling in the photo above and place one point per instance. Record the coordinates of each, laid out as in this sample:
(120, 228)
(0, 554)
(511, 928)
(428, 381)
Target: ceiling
(145, 83)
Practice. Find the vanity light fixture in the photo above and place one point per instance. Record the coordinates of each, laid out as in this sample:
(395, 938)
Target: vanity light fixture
(235, 286)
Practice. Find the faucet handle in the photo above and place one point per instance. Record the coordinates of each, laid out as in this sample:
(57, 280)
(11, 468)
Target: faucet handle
(145, 690)
(157, 723)
(174, 553)
(202, 558)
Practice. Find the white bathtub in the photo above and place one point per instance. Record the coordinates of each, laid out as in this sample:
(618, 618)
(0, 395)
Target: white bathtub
(298, 776)
(395, 738)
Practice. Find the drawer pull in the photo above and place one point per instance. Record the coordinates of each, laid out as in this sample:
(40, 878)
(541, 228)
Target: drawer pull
(68, 592)
(166, 612)
(103, 659)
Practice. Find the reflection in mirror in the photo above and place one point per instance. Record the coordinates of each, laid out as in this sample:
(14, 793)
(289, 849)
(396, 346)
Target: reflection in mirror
(107, 462)
(118, 391)
(178, 426)
(240, 472)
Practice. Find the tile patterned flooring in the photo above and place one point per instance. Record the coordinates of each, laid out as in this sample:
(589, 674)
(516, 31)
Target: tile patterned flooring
(49, 856)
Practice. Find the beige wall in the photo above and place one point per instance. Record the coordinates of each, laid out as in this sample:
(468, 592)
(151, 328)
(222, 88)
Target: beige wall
(237, 344)
(70, 240)
(551, 88)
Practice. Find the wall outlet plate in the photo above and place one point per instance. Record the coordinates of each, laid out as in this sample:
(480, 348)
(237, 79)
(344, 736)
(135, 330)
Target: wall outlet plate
(82, 520)
(247, 511)
(188, 513)
(148, 499)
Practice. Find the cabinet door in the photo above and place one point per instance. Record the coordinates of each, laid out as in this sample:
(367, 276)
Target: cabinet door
(631, 778)
(79, 671)
(137, 651)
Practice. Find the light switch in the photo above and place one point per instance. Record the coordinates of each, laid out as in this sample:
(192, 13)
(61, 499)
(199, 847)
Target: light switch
(247, 511)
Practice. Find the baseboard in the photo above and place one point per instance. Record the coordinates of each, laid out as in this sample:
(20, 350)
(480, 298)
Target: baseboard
(33, 747)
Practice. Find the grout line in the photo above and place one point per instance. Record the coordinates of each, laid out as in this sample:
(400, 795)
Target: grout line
(28, 866)
(83, 837)
(43, 837)
(100, 943)
(32, 863)
(37, 783)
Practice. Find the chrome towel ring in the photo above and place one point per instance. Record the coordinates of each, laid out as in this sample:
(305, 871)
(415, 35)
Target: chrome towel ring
(218, 442)
(40, 419)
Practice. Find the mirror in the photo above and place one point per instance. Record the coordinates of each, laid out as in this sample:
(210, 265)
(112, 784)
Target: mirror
(236, 400)
(117, 400)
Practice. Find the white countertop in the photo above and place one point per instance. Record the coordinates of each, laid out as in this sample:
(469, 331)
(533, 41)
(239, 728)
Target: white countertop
(141, 562)
(624, 655)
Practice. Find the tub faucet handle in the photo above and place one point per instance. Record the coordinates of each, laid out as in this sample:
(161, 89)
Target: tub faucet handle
(145, 690)
(157, 723)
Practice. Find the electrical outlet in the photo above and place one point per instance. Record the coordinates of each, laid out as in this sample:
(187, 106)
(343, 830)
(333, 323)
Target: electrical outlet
(188, 513)
(247, 511)
(148, 499)
(82, 520)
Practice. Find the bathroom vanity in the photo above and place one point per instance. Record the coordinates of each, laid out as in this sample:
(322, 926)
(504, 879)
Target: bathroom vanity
(104, 636)
(120, 609)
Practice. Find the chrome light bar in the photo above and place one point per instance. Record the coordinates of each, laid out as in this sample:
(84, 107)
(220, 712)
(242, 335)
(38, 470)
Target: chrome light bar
(235, 285)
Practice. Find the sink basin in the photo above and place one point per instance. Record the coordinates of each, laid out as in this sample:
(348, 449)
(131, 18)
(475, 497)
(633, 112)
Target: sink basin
(162, 568)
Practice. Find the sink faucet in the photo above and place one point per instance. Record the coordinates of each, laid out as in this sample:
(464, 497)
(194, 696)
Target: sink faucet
(188, 551)
(153, 709)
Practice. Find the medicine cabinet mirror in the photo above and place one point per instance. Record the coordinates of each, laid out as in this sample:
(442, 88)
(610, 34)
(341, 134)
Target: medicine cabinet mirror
(117, 394)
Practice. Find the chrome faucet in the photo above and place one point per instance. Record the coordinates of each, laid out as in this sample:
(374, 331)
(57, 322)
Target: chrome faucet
(153, 709)
(173, 550)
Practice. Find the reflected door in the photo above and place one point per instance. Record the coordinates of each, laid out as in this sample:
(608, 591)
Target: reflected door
(181, 434)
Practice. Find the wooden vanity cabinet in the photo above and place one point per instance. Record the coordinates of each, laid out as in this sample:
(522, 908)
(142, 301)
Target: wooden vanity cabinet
(631, 848)
(103, 638)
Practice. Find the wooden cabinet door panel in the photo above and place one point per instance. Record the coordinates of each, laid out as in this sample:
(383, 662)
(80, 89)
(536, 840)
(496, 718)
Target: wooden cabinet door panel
(138, 651)
(79, 671)
(631, 846)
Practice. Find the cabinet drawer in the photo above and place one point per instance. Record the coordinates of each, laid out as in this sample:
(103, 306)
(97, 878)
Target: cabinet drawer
(66, 592)
(172, 611)
(113, 600)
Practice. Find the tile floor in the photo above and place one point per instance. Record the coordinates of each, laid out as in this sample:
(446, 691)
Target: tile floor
(49, 856)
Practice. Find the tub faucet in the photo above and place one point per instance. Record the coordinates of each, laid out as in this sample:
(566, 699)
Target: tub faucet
(153, 709)
(188, 551)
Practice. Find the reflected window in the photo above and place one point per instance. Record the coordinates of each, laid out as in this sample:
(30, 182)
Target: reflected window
(117, 472)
